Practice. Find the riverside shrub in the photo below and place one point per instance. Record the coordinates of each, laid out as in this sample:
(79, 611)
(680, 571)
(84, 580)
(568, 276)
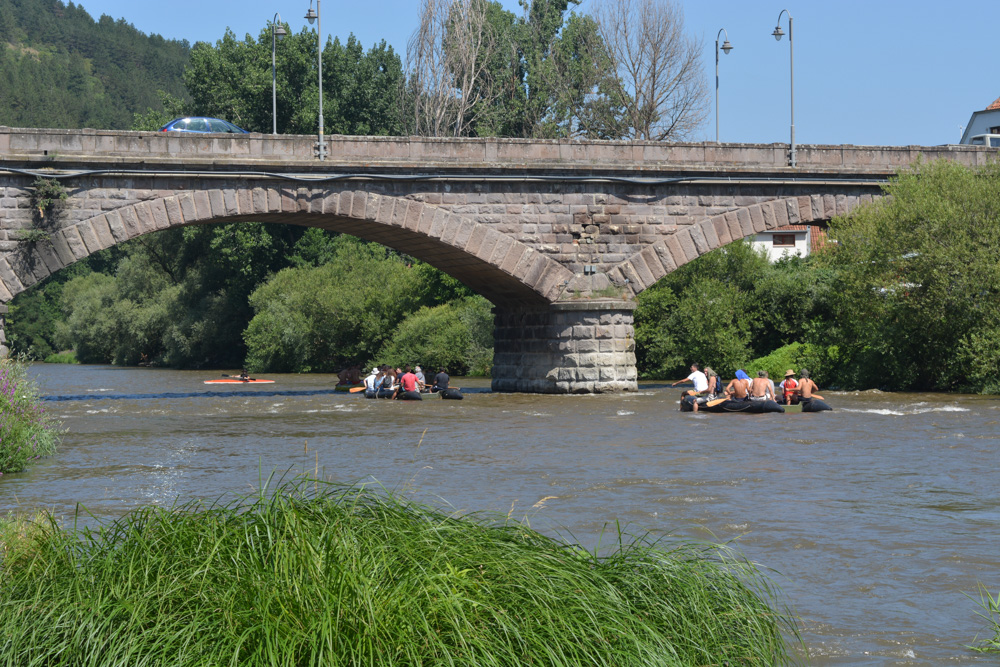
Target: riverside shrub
(27, 432)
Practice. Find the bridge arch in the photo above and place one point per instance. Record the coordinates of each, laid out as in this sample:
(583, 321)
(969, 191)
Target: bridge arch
(504, 270)
(644, 268)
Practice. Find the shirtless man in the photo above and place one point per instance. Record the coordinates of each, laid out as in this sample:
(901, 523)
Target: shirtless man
(806, 386)
(739, 388)
(760, 388)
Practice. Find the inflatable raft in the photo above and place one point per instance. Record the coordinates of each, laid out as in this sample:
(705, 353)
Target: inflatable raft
(754, 407)
(729, 405)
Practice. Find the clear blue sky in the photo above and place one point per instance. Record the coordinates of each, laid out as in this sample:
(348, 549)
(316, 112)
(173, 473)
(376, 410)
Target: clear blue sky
(887, 72)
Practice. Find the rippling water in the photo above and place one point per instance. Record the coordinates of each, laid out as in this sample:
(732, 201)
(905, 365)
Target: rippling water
(876, 518)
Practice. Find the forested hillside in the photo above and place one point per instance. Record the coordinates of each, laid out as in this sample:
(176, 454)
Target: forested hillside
(61, 68)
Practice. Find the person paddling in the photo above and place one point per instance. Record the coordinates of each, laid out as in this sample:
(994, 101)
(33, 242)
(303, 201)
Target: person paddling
(760, 388)
(371, 383)
(700, 384)
(441, 381)
(408, 382)
(789, 388)
(739, 387)
(806, 387)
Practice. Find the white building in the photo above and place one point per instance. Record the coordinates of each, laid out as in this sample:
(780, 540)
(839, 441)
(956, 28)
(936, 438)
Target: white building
(983, 125)
(789, 240)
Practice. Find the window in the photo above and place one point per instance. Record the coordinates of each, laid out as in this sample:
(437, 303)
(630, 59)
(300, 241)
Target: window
(995, 130)
(783, 240)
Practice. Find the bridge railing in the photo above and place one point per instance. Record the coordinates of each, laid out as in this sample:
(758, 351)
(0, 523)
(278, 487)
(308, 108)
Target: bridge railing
(60, 148)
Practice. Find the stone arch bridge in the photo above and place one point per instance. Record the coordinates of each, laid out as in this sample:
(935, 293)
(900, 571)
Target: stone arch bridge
(559, 236)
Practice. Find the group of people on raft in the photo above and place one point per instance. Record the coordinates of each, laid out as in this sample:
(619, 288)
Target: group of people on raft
(402, 383)
(708, 387)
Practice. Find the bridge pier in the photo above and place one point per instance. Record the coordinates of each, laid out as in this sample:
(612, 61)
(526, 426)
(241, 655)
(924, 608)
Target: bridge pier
(583, 347)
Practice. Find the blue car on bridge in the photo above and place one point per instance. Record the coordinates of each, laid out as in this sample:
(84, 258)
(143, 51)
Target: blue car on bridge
(202, 124)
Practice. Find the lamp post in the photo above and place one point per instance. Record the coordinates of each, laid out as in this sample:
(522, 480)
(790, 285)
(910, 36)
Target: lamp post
(277, 33)
(313, 16)
(726, 48)
(778, 34)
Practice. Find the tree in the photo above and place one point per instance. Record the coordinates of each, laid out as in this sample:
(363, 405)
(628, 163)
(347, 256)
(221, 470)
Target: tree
(660, 83)
(918, 304)
(448, 60)
(232, 80)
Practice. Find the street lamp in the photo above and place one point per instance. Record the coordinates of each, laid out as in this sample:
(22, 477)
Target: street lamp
(313, 16)
(726, 47)
(778, 34)
(277, 33)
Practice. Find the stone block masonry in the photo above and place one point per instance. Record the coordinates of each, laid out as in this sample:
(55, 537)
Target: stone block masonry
(567, 348)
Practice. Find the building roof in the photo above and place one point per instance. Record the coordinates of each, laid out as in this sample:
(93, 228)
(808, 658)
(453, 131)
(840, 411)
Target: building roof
(995, 105)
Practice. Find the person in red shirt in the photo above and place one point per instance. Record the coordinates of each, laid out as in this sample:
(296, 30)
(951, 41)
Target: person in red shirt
(409, 380)
(790, 388)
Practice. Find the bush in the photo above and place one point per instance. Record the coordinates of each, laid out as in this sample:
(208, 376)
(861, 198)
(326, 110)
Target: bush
(62, 358)
(27, 432)
(796, 356)
(325, 575)
(457, 336)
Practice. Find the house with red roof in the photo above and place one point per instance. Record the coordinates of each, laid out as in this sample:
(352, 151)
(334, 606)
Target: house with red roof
(983, 128)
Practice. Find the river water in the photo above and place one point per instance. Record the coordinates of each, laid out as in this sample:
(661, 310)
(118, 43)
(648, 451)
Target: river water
(876, 519)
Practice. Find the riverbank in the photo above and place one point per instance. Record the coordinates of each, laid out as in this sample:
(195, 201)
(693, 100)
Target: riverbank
(323, 574)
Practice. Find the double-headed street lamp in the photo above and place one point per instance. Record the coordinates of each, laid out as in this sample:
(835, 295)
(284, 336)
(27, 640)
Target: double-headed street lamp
(778, 34)
(313, 16)
(726, 47)
(277, 33)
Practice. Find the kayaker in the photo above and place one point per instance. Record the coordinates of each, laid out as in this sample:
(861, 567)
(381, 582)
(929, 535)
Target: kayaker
(789, 388)
(441, 381)
(739, 387)
(244, 375)
(806, 387)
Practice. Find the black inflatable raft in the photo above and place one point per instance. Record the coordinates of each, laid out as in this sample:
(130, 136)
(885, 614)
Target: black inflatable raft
(729, 405)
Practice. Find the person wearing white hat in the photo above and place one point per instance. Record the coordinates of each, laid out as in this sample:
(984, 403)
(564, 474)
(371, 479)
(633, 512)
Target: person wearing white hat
(371, 383)
(421, 380)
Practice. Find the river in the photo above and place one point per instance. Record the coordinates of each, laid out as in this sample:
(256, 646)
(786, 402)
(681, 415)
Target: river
(876, 519)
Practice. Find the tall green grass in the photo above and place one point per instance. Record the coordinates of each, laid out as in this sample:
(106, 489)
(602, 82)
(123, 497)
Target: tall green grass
(990, 607)
(27, 432)
(319, 574)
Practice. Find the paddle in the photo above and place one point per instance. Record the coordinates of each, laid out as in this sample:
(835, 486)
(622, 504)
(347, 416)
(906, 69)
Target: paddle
(712, 404)
(355, 390)
(239, 377)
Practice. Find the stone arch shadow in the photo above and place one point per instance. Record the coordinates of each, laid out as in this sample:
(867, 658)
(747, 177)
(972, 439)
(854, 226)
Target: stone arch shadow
(655, 261)
(495, 265)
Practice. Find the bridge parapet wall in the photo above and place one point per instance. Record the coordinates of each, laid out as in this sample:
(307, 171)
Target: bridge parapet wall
(116, 148)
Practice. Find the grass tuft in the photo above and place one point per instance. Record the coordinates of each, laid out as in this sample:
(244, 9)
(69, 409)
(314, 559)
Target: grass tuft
(319, 574)
(991, 613)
